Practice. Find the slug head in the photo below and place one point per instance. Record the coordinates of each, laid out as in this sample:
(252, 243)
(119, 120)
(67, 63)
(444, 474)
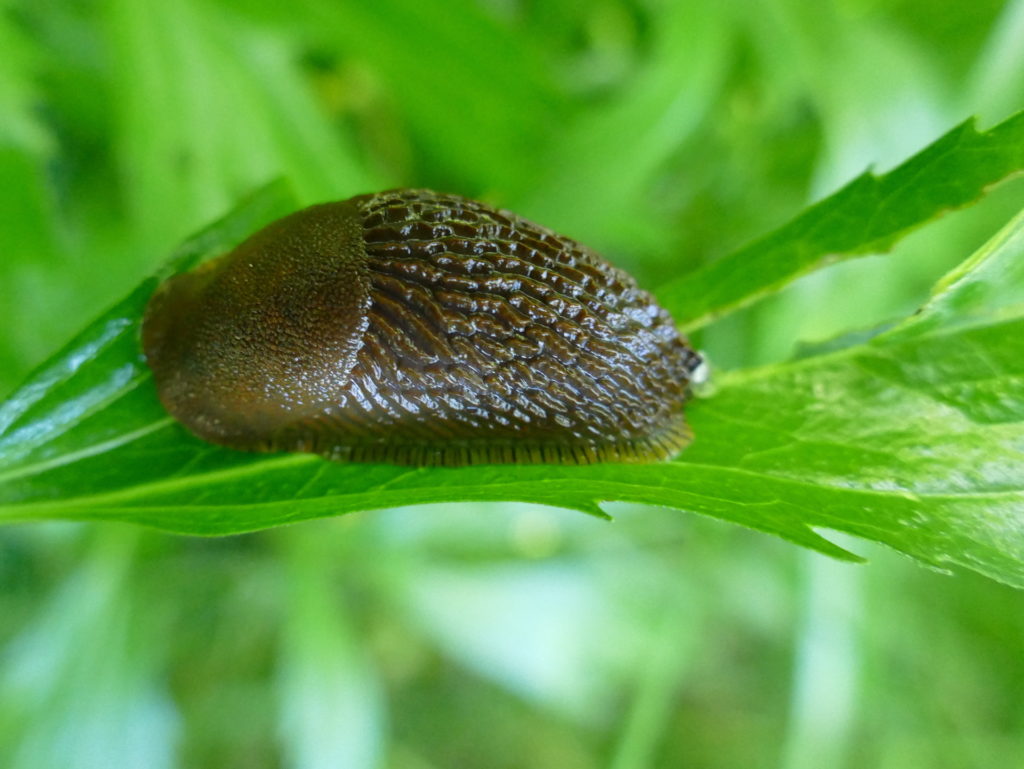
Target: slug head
(266, 334)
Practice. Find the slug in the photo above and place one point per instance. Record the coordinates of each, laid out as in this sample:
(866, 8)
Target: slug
(420, 328)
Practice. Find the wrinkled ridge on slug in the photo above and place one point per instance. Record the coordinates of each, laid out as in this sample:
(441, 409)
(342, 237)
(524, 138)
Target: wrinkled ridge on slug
(420, 328)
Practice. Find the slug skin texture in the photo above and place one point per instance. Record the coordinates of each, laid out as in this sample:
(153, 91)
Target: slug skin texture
(420, 328)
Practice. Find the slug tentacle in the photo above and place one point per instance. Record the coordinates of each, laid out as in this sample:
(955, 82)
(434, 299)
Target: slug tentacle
(420, 328)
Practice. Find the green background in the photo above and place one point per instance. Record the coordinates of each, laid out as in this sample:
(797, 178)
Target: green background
(664, 134)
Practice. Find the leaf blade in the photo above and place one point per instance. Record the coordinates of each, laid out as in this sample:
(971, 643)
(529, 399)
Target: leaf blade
(897, 440)
(866, 216)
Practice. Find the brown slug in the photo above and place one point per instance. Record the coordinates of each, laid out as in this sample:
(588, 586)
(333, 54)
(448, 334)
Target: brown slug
(420, 328)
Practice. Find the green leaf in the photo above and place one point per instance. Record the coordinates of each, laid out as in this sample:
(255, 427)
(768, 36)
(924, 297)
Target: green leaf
(81, 401)
(985, 286)
(913, 439)
(866, 216)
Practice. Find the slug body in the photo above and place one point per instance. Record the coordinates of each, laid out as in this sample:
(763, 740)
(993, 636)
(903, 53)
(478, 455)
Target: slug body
(419, 328)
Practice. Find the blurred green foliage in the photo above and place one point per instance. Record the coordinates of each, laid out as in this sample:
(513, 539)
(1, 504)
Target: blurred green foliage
(663, 133)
